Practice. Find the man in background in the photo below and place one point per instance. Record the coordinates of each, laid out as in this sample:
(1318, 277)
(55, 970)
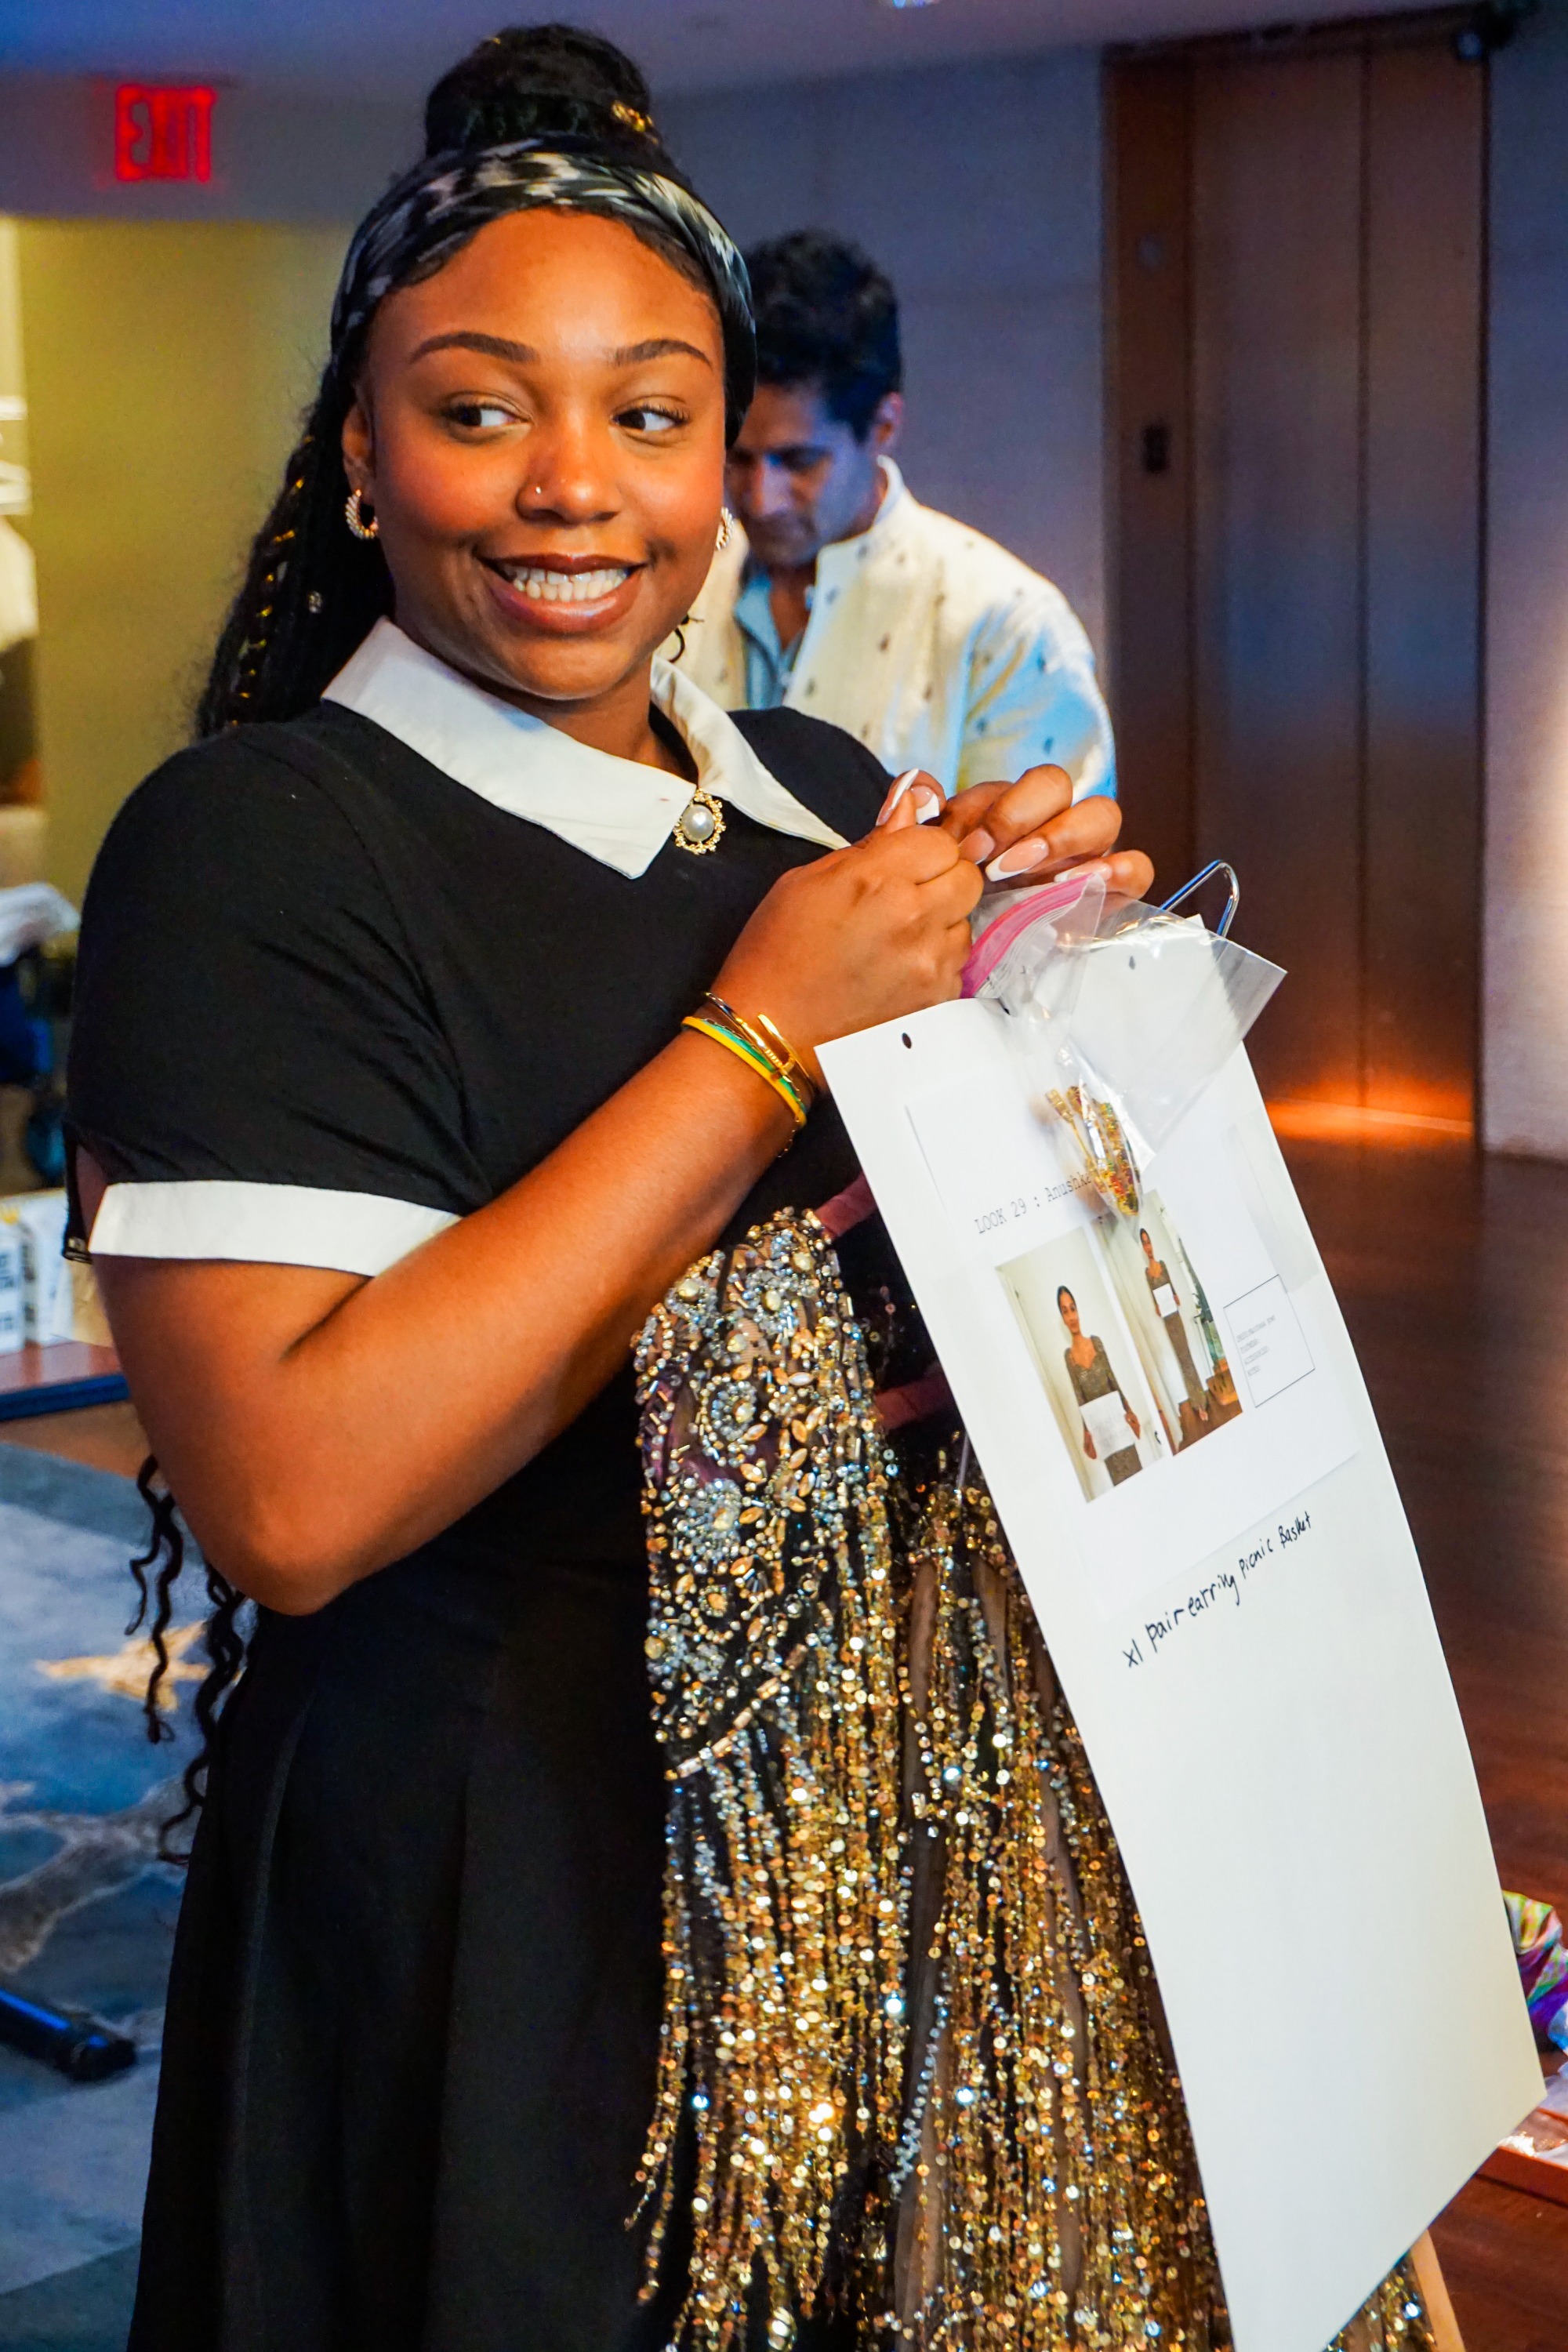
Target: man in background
(842, 596)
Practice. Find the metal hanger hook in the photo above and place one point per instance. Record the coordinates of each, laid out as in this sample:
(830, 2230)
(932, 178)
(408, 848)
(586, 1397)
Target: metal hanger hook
(1215, 866)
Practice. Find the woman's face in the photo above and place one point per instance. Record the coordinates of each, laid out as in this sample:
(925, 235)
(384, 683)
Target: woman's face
(1068, 1304)
(539, 432)
(1148, 1247)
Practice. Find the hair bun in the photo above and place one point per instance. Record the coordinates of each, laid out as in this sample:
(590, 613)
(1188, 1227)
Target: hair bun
(542, 81)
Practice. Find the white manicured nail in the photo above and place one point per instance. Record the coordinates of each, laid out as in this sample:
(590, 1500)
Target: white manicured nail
(900, 786)
(1020, 859)
(927, 805)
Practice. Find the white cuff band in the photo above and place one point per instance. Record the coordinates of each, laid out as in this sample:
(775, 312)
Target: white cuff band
(263, 1225)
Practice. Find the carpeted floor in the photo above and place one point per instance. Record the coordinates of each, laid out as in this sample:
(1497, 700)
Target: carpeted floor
(85, 2309)
(87, 1911)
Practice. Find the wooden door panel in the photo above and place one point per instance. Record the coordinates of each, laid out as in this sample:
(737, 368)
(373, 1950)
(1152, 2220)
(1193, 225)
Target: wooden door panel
(1296, 624)
(1149, 454)
(1424, 243)
(1277, 576)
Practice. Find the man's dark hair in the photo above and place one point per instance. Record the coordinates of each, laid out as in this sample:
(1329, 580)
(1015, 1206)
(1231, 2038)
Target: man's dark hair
(826, 317)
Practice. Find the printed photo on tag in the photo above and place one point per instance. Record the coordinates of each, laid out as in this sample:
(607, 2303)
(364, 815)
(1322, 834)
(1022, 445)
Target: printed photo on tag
(1094, 1382)
(1134, 1369)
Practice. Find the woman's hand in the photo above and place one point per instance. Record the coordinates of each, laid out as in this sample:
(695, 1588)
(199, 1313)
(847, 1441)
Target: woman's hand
(861, 936)
(316, 1426)
(1033, 830)
(1088, 1446)
(1134, 1423)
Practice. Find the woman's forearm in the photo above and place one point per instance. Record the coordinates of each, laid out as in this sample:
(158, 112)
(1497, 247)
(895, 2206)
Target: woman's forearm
(316, 1426)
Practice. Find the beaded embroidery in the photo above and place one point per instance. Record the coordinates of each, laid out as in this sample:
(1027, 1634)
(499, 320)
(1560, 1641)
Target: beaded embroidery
(911, 2060)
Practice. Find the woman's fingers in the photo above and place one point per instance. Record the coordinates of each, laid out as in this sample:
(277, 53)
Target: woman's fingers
(1081, 837)
(1029, 831)
(942, 887)
(1129, 873)
(911, 851)
(872, 931)
(1036, 821)
(1014, 815)
(964, 818)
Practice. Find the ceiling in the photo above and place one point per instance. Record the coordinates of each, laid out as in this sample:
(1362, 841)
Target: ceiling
(393, 49)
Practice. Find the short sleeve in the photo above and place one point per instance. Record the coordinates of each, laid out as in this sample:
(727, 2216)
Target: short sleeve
(1034, 696)
(254, 1063)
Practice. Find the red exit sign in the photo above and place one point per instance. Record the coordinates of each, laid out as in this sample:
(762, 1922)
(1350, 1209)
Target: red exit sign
(164, 131)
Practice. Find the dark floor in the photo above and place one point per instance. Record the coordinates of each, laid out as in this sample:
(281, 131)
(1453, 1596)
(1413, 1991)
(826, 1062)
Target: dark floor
(1453, 1274)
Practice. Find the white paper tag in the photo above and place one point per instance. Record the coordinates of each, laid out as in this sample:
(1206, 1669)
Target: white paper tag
(1105, 1418)
(996, 1168)
(1244, 1640)
(1270, 1344)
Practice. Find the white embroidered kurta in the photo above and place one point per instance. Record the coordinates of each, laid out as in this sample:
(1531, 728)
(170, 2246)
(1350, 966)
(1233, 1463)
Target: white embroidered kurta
(933, 645)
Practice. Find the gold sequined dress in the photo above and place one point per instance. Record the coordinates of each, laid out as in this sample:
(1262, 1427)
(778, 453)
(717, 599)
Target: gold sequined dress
(915, 2079)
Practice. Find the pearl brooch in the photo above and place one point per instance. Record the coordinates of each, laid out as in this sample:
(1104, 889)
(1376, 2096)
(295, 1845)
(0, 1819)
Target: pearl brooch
(700, 824)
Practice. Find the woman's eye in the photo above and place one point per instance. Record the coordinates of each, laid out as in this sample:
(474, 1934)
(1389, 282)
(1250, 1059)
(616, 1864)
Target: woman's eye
(480, 416)
(645, 418)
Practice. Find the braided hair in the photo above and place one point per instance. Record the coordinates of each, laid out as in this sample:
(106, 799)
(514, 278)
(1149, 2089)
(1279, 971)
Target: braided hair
(537, 115)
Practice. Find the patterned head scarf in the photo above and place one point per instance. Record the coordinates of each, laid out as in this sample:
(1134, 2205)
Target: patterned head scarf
(438, 206)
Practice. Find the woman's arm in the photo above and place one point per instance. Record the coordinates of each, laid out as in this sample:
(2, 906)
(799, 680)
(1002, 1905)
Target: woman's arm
(1134, 1424)
(316, 1425)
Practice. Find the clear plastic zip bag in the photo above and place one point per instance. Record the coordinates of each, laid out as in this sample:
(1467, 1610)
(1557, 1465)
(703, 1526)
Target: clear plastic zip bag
(1119, 1014)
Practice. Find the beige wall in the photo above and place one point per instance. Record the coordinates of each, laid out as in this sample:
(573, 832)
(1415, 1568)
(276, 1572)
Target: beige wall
(978, 188)
(165, 365)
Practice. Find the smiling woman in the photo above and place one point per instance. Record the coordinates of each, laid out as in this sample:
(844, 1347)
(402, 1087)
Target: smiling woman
(544, 508)
(513, 953)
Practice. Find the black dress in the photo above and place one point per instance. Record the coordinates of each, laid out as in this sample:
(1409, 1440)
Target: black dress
(413, 2018)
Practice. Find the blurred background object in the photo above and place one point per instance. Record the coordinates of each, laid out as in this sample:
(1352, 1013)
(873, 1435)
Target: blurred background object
(1251, 338)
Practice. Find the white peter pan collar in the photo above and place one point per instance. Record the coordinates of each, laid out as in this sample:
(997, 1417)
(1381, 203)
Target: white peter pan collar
(616, 810)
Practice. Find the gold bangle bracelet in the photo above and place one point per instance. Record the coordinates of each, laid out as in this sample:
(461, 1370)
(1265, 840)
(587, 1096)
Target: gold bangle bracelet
(753, 1061)
(744, 1051)
(792, 1062)
(771, 1043)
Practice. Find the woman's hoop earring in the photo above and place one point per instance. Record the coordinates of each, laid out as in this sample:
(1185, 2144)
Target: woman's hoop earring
(354, 515)
(726, 528)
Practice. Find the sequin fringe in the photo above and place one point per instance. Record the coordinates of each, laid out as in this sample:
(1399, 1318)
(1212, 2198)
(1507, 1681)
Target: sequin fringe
(1055, 2201)
(772, 1652)
(911, 2065)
